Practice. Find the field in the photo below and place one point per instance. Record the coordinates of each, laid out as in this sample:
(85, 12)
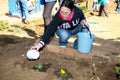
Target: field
(19, 37)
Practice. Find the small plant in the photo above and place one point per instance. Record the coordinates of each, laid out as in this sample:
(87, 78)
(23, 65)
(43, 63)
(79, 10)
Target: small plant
(4, 25)
(42, 67)
(39, 66)
(83, 8)
(94, 77)
(117, 69)
(64, 74)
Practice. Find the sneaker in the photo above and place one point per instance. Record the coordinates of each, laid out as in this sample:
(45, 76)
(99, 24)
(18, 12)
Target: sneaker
(25, 21)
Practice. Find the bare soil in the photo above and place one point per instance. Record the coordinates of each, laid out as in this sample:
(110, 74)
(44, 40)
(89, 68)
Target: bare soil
(14, 44)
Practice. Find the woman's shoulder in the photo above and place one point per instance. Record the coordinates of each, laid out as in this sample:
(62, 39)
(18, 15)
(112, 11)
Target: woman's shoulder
(76, 9)
(56, 16)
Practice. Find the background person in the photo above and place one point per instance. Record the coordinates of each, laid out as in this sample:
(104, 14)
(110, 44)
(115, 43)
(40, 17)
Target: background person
(22, 4)
(31, 7)
(95, 5)
(47, 13)
(118, 6)
(103, 7)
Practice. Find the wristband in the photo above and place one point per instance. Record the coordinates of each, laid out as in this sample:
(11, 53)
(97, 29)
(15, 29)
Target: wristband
(42, 43)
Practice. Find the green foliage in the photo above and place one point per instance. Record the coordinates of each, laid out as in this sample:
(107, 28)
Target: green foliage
(82, 7)
(119, 60)
(18, 30)
(117, 69)
(4, 25)
(82, 0)
(39, 66)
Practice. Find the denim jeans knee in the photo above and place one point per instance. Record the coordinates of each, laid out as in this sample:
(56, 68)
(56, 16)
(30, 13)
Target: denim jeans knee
(64, 35)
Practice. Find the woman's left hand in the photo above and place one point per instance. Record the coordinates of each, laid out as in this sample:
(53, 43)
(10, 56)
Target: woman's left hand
(84, 23)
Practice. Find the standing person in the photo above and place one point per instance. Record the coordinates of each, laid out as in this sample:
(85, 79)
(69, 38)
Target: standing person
(118, 6)
(31, 7)
(68, 21)
(103, 7)
(23, 10)
(95, 5)
(47, 13)
(86, 4)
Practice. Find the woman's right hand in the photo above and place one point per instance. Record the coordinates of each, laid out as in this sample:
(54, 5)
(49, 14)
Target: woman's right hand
(37, 47)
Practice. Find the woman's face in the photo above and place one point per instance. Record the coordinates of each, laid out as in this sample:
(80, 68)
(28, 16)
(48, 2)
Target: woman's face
(65, 12)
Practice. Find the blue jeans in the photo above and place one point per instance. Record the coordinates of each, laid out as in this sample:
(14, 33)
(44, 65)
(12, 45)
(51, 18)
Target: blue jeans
(23, 8)
(31, 10)
(64, 35)
(95, 6)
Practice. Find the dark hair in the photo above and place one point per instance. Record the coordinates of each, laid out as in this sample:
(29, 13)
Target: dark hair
(68, 3)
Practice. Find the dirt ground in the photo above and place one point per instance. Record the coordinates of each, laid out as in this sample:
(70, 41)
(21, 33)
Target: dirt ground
(14, 44)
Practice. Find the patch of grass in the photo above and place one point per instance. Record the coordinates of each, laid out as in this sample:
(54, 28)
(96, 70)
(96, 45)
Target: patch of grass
(18, 30)
(4, 25)
(83, 8)
(81, 1)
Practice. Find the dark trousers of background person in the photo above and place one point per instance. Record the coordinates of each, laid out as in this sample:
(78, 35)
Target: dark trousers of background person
(103, 10)
(86, 4)
(47, 13)
(118, 3)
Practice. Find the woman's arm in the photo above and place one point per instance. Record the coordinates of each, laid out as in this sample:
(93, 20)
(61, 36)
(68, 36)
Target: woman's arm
(83, 20)
(50, 31)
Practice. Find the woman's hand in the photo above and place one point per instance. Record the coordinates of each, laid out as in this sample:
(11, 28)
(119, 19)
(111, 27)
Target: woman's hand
(37, 46)
(84, 23)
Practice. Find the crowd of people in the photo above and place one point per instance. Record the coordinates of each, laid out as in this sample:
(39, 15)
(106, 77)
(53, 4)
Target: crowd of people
(27, 7)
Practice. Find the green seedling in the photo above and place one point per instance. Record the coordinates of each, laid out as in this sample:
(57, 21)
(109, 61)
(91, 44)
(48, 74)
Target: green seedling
(117, 69)
(42, 67)
(39, 66)
(119, 60)
(95, 77)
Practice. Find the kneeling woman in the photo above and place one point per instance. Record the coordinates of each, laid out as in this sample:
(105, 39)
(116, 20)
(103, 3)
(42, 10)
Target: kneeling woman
(68, 21)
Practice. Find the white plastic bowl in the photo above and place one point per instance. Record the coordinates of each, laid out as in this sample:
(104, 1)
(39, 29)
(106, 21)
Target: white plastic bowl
(33, 54)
